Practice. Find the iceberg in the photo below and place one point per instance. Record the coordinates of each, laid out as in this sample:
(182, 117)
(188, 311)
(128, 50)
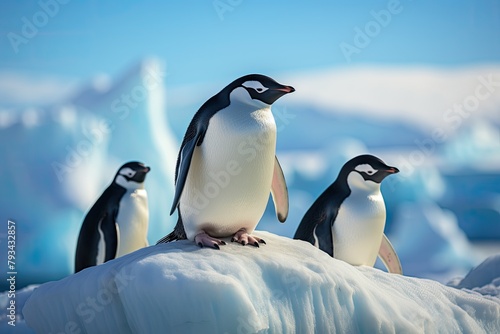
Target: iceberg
(61, 157)
(443, 248)
(285, 286)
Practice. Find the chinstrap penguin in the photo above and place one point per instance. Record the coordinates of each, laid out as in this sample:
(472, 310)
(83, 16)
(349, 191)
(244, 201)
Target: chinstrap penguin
(347, 220)
(117, 224)
(227, 165)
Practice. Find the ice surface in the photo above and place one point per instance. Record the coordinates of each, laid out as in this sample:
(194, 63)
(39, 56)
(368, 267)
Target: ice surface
(285, 286)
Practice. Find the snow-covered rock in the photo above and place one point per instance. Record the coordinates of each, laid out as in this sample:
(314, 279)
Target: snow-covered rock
(285, 286)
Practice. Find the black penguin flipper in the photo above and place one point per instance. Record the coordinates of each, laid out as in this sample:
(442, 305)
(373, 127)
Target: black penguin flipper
(194, 136)
(323, 233)
(109, 230)
(184, 162)
(314, 216)
(305, 230)
(88, 240)
(99, 220)
(316, 226)
(87, 246)
(177, 234)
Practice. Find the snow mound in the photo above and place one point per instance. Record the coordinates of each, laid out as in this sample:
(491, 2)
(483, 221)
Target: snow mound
(484, 279)
(285, 286)
(14, 323)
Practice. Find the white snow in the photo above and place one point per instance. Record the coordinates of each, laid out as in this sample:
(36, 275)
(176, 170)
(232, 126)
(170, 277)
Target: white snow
(484, 279)
(11, 317)
(285, 286)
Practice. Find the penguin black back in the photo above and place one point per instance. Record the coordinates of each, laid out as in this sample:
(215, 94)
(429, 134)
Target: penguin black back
(99, 224)
(101, 216)
(315, 227)
(322, 213)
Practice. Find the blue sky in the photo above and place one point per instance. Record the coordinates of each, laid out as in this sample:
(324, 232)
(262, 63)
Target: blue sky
(198, 42)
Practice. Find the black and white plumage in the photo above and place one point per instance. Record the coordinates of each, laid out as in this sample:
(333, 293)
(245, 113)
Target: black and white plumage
(117, 223)
(227, 165)
(347, 220)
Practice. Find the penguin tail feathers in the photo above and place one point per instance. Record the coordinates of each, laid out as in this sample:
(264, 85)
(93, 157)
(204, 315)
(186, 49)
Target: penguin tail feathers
(168, 238)
(177, 234)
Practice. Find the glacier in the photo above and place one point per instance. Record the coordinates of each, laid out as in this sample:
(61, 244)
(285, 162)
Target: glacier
(285, 286)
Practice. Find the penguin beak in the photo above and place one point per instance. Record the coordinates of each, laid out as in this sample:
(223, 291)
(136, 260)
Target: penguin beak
(286, 89)
(275, 93)
(392, 170)
(147, 169)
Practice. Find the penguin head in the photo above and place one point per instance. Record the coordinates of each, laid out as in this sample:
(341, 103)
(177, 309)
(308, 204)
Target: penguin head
(257, 89)
(366, 172)
(132, 175)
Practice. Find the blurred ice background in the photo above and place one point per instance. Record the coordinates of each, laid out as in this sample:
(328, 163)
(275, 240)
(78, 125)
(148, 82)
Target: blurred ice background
(86, 87)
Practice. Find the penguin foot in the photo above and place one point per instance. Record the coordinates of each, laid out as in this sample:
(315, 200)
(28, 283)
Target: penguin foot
(244, 238)
(204, 240)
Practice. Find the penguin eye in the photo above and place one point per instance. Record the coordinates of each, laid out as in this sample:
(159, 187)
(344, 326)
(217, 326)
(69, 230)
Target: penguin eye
(255, 85)
(127, 172)
(365, 168)
(260, 89)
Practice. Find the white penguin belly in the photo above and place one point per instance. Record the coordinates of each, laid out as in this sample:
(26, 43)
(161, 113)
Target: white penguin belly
(358, 228)
(229, 180)
(132, 222)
